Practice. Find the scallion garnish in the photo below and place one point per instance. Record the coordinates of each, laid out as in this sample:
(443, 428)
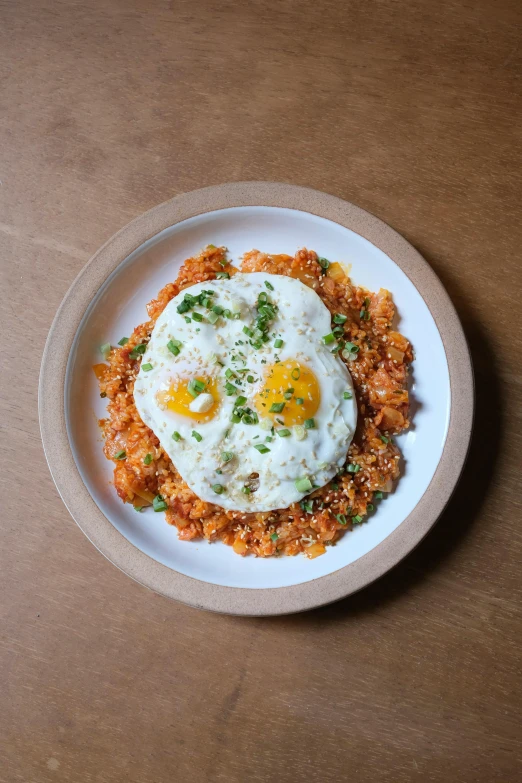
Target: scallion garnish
(197, 317)
(197, 436)
(147, 459)
(378, 495)
(123, 341)
(347, 395)
(339, 318)
(246, 490)
(351, 348)
(176, 436)
(283, 433)
(341, 519)
(299, 400)
(278, 343)
(307, 505)
(212, 317)
(247, 331)
(120, 455)
(303, 484)
(309, 424)
(174, 346)
(323, 263)
(274, 536)
(105, 350)
(261, 448)
(269, 285)
(158, 504)
(277, 407)
(218, 488)
(195, 387)
(369, 507)
(226, 456)
(353, 467)
(241, 400)
(222, 276)
(230, 389)
(138, 350)
(146, 367)
(250, 378)
(183, 307)
(138, 508)
(328, 338)
(384, 439)
(357, 519)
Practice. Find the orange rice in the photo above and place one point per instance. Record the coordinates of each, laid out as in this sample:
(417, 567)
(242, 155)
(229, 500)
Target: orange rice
(379, 371)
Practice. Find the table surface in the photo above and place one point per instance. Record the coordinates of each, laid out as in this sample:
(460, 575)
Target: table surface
(412, 111)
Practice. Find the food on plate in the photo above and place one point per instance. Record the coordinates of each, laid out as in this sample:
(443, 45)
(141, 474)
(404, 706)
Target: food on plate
(257, 405)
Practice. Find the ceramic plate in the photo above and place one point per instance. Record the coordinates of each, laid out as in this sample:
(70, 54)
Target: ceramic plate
(108, 300)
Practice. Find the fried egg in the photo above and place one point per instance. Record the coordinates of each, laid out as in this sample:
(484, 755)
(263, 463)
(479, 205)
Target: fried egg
(247, 397)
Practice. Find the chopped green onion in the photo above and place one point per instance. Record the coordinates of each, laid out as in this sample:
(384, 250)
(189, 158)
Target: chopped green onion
(123, 341)
(357, 519)
(218, 488)
(230, 389)
(195, 387)
(147, 459)
(351, 348)
(228, 372)
(250, 378)
(278, 343)
(174, 346)
(158, 504)
(261, 448)
(328, 338)
(226, 456)
(197, 317)
(366, 303)
(299, 432)
(183, 307)
(105, 350)
(284, 433)
(120, 455)
(241, 400)
(274, 536)
(341, 518)
(299, 400)
(369, 507)
(187, 319)
(217, 309)
(248, 331)
(323, 263)
(246, 490)
(303, 485)
(138, 508)
(339, 318)
(146, 367)
(296, 374)
(235, 418)
(307, 505)
(353, 468)
(137, 351)
(262, 298)
(384, 439)
(277, 407)
(347, 395)
(176, 436)
(288, 394)
(309, 424)
(269, 285)
(197, 436)
(222, 276)
(378, 495)
(212, 317)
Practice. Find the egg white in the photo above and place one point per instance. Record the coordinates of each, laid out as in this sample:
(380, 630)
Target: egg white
(302, 320)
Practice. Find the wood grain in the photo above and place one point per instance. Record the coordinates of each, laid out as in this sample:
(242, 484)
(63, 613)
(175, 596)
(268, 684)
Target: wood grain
(412, 111)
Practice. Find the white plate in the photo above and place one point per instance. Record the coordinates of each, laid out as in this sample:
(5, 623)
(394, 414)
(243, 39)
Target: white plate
(108, 300)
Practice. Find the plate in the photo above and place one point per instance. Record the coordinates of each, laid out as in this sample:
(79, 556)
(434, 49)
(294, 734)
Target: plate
(107, 300)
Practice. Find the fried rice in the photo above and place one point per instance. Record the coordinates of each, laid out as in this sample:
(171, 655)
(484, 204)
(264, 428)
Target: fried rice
(379, 367)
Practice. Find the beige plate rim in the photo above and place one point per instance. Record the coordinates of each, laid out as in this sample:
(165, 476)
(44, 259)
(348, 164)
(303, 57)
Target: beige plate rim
(232, 600)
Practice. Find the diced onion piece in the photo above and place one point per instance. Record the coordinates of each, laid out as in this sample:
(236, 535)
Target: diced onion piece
(336, 272)
(395, 355)
(202, 403)
(315, 550)
(239, 546)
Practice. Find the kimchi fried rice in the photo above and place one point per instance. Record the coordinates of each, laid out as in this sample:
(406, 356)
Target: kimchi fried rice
(378, 362)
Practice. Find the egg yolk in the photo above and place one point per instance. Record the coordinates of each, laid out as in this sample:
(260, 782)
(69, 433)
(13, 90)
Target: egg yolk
(290, 393)
(178, 398)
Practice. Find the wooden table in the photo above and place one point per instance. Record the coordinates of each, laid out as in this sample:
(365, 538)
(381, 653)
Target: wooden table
(411, 110)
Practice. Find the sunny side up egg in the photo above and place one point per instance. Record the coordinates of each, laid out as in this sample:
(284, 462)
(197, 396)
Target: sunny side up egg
(253, 409)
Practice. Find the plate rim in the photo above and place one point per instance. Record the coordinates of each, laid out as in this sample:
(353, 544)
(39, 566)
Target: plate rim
(239, 600)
